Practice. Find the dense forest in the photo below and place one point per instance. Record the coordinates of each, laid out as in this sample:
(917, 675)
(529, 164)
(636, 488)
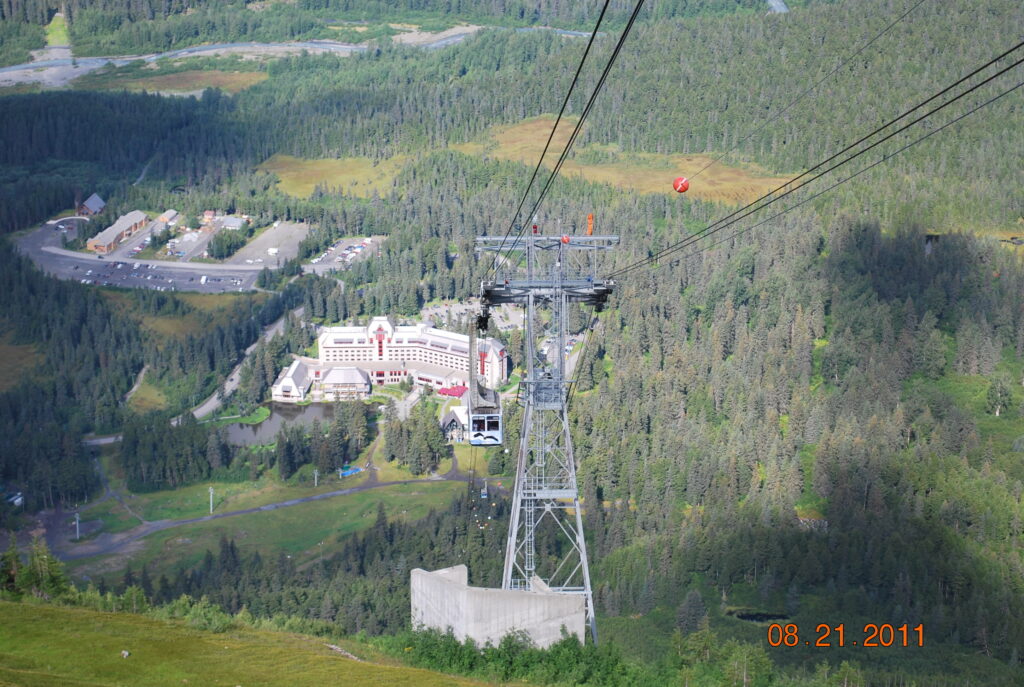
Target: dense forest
(88, 353)
(88, 357)
(343, 106)
(17, 39)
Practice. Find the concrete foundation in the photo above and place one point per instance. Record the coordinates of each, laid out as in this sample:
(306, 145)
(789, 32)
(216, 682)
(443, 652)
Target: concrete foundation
(443, 600)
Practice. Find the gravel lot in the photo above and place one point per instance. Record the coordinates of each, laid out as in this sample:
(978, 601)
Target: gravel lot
(285, 237)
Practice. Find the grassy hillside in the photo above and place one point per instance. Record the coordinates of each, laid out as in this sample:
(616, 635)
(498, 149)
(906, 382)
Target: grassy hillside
(42, 646)
(305, 531)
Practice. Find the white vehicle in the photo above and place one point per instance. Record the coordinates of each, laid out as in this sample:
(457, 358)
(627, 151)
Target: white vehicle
(136, 265)
(202, 280)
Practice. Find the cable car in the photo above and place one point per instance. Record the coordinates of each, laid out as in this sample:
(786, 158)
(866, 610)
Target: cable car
(485, 430)
(485, 426)
(484, 416)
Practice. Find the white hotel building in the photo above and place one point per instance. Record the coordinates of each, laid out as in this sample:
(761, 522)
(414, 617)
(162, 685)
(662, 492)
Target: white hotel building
(383, 353)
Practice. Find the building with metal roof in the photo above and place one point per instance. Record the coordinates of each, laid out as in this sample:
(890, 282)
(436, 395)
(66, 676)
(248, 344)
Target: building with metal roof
(126, 225)
(93, 205)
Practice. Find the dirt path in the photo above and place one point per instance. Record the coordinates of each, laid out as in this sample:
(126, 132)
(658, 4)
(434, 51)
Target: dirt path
(138, 383)
(61, 543)
(113, 543)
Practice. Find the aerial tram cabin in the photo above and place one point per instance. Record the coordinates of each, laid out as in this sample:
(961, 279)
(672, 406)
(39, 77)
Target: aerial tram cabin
(484, 405)
(485, 418)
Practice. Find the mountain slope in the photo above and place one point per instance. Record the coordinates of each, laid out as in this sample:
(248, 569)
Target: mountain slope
(50, 645)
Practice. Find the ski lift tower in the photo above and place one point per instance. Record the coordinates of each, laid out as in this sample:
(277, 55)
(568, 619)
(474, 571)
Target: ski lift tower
(558, 270)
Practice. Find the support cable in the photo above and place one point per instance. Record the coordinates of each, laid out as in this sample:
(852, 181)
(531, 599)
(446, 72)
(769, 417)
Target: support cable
(852, 176)
(551, 136)
(770, 197)
(572, 137)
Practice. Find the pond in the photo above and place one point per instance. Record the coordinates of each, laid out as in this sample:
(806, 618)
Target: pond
(281, 414)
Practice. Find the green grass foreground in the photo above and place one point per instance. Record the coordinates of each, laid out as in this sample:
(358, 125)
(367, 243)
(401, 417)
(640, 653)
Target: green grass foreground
(42, 646)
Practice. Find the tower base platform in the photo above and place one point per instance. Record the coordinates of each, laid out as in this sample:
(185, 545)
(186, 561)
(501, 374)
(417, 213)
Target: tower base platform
(443, 600)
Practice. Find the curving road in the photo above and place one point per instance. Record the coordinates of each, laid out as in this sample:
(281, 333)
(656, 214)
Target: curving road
(231, 383)
(43, 247)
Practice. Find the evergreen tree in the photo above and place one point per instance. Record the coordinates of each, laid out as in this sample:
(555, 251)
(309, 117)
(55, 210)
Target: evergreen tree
(998, 397)
(43, 574)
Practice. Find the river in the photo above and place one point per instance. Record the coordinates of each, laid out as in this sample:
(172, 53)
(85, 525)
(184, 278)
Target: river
(85, 64)
(82, 65)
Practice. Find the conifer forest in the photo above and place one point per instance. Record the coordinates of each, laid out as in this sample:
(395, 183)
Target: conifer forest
(812, 415)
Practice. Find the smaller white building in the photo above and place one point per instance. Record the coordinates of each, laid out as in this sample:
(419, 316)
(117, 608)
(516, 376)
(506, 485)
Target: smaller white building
(455, 424)
(342, 383)
(293, 384)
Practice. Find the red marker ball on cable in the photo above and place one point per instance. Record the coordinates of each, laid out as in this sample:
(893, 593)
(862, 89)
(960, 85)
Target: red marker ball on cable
(681, 184)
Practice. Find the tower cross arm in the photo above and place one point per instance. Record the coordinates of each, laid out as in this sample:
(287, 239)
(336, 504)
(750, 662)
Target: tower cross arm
(575, 242)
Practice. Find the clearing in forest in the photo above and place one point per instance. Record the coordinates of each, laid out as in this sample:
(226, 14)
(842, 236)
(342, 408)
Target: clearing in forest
(57, 32)
(147, 398)
(296, 531)
(16, 361)
(177, 82)
(523, 142)
(643, 172)
(217, 308)
(358, 176)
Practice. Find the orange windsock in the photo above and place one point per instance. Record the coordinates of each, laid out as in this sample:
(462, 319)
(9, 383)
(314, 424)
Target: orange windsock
(590, 224)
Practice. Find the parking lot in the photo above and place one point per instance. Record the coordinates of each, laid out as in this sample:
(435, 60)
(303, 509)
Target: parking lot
(43, 246)
(506, 317)
(273, 247)
(343, 253)
(124, 251)
(152, 275)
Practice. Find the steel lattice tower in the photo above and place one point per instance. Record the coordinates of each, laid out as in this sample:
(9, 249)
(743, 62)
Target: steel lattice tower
(546, 502)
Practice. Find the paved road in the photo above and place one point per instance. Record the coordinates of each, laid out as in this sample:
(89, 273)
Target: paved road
(214, 402)
(404, 405)
(102, 441)
(43, 247)
(61, 71)
(142, 174)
